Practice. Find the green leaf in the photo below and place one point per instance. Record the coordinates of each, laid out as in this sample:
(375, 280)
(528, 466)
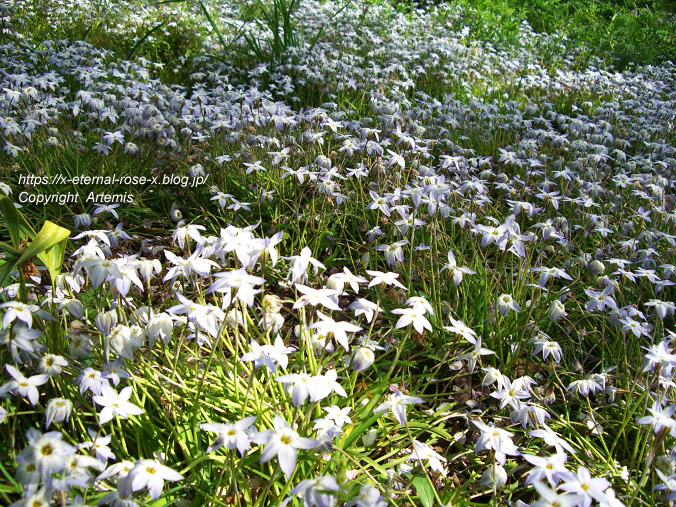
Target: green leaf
(53, 258)
(17, 225)
(49, 246)
(424, 490)
(5, 269)
(167, 2)
(359, 430)
(49, 236)
(144, 38)
(211, 21)
(7, 248)
(374, 464)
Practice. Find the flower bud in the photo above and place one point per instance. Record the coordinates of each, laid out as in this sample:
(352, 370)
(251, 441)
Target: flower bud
(323, 162)
(106, 321)
(495, 476)
(335, 283)
(369, 438)
(557, 310)
(363, 358)
(75, 308)
(160, 326)
(234, 318)
(124, 341)
(596, 267)
(147, 266)
(58, 410)
(82, 220)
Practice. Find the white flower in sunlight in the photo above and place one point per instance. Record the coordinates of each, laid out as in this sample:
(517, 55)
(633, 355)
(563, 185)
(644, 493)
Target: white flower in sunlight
(48, 453)
(585, 487)
(458, 327)
(415, 316)
(550, 498)
(318, 492)
(238, 279)
(301, 263)
(547, 347)
(547, 274)
(159, 326)
(475, 355)
(233, 436)
(394, 253)
(16, 310)
(90, 380)
(184, 267)
(299, 386)
(115, 404)
(423, 452)
(384, 278)
(585, 386)
(511, 394)
(455, 270)
(52, 364)
(147, 473)
(506, 304)
(314, 297)
(366, 308)
(347, 277)
(321, 386)
(552, 439)
(124, 341)
(497, 440)
(368, 497)
(147, 268)
(552, 468)
(26, 387)
(397, 404)
(327, 326)
(259, 356)
(283, 442)
(184, 233)
(660, 418)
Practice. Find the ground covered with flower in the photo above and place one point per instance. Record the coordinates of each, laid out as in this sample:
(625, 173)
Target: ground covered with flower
(379, 256)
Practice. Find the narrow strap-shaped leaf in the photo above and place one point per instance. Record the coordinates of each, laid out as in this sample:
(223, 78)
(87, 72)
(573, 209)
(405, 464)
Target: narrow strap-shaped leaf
(213, 25)
(5, 269)
(11, 219)
(155, 4)
(210, 56)
(6, 247)
(144, 38)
